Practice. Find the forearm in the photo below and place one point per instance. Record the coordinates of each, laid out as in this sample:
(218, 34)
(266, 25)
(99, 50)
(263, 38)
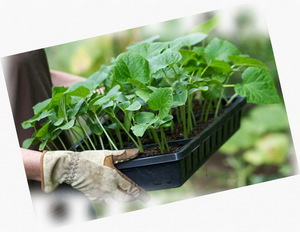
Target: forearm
(31, 160)
(64, 79)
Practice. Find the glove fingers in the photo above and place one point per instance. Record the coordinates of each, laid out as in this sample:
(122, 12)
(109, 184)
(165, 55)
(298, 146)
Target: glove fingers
(129, 187)
(126, 155)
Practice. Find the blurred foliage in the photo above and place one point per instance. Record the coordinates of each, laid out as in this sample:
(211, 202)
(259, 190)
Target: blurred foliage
(261, 150)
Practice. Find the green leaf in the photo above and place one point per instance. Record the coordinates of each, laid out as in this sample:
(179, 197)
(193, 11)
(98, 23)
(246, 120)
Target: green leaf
(162, 100)
(137, 84)
(221, 66)
(77, 108)
(180, 99)
(187, 55)
(148, 50)
(143, 93)
(58, 89)
(187, 40)
(163, 60)
(246, 61)
(214, 90)
(27, 142)
(41, 106)
(67, 125)
(134, 106)
(144, 117)
(220, 50)
(43, 131)
(88, 84)
(96, 129)
(139, 129)
(124, 105)
(43, 145)
(131, 66)
(113, 91)
(258, 87)
(59, 122)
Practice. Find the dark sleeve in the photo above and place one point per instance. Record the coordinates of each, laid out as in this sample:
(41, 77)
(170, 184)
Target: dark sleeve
(28, 82)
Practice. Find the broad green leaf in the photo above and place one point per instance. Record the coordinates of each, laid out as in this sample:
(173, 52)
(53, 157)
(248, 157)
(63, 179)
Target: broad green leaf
(111, 94)
(27, 142)
(201, 88)
(108, 105)
(43, 145)
(219, 77)
(43, 131)
(148, 50)
(58, 89)
(134, 106)
(139, 129)
(137, 84)
(76, 108)
(144, 117)
(124, 105)
(161, 100)
(221, 66)
(131, 66)
(152, 88)
(166, 122)
(163, 60)
(180, 99)
(246, 61)
(143, 93)
(41, 106)
(59, 122)
(113, 91)
(88, 84)
(258, 87)
(96, 129)
(79, 92)
(214, 90)
(187, 40)
(220, 50)
(187, 55)
(68, 125)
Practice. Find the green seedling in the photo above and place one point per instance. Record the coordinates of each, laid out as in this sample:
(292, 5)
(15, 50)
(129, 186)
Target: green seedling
(148, 89)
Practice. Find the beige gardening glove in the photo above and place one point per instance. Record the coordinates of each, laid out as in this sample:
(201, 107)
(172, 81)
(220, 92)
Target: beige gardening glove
(91, 172)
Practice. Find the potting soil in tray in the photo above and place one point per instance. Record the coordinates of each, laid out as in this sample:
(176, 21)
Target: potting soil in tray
(163, 171)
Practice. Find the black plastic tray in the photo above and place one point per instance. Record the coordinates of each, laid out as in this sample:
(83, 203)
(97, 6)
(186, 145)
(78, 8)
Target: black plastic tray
(174, 169)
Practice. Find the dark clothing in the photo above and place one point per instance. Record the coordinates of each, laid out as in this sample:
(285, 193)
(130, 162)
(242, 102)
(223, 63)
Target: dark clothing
(28, 82)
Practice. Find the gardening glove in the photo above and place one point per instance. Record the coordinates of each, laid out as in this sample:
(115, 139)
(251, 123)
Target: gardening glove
(91, 172)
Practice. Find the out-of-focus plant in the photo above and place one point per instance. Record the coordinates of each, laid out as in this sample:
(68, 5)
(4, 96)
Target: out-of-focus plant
(262, 144)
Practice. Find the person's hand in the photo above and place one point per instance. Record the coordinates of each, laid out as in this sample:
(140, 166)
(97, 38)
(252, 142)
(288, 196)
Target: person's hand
(91, 172)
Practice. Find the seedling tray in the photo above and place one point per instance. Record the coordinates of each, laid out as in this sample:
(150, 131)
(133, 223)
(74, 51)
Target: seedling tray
(174, 169)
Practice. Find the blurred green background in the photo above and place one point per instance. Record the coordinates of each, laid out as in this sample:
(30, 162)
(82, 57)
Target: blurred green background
(261, 150)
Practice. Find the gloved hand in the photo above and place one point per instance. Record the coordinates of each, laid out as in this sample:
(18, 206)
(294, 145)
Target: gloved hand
(91, 172)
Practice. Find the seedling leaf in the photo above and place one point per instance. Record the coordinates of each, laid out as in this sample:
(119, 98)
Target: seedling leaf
(131, 66)
(258, 87)
(162, 100)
